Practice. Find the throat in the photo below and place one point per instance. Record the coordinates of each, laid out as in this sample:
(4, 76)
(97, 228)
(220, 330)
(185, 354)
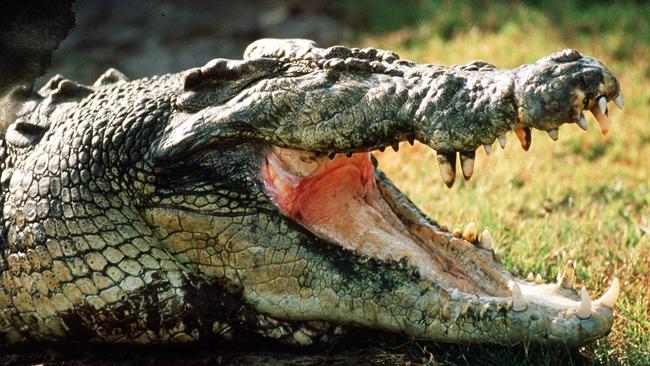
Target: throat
(335, 199)
(322, 199)
(313, 190)
(338, 201)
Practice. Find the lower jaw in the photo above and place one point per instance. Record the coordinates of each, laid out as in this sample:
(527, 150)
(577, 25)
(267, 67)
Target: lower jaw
(345, 201)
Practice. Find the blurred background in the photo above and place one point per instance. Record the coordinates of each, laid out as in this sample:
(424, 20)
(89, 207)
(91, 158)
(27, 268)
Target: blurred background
(149, 37)
(585, 198)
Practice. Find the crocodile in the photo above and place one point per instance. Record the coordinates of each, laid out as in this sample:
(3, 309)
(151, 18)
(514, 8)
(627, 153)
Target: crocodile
(241, 200)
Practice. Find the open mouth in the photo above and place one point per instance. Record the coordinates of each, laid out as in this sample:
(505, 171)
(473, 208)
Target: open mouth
(345, 200)
(318, 123)
(341, 201)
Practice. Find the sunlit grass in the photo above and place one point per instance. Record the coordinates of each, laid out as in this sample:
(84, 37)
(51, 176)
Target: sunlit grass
(586, 197)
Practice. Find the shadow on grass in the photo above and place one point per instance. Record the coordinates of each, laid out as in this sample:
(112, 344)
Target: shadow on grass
(358, 348)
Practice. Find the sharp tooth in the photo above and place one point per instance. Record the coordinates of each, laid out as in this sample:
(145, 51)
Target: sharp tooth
(475, 300)
(568, 277)
(619, 100)
(467, 163)
(470, 232)
(538, 279)
(609, 297)
(447, 163)
(602, 119)
(582, 122)
(523, 134)
(553, 133)
(486, 239)
(530, 277)
(455, 294)
(602, 104)
(502, 141)
(518, 301)
(456, 233)
(395, 146)
(488, 148)
(584, 310)
(411, 139)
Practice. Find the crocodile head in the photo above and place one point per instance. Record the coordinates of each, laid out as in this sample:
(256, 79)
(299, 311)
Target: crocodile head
(337, 242)
(243, 197)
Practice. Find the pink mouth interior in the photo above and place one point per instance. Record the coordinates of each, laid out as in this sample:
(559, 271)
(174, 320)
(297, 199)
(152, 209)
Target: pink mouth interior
(338, 200)
(315, 192)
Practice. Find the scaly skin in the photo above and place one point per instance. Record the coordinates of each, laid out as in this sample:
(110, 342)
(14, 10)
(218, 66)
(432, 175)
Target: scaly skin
(138, 211)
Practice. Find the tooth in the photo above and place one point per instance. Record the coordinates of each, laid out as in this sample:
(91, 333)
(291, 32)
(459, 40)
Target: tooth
(523, 134)
(602, 119)
(502, 141)
(518, 301)
(538, 279)
(395, 146)
(609, 297)
(455, 294)
(582, 122)
(456, 233)
(411, 139)
(467, 163)
(553, 133)
(447, 163)
(484, 309)
(486, 239)
(568, 278)
(602, 104)
(584, 310)
(530, 277)
(619, 100)
(470, 232)
(488, 148)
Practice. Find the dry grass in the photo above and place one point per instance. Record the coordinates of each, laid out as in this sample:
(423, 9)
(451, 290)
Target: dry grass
(586, 197)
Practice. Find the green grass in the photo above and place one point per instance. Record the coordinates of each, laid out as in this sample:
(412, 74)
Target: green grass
(586, 197)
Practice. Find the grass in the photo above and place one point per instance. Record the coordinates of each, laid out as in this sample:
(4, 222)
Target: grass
(586, 197)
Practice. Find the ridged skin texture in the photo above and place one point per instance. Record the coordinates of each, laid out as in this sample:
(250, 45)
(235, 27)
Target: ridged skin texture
(134, 211)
